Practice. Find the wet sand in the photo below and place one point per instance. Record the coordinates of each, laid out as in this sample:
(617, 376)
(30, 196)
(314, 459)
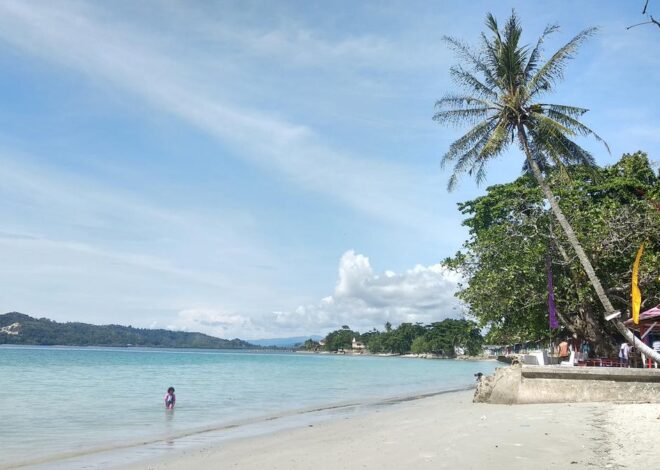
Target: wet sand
(444, 431)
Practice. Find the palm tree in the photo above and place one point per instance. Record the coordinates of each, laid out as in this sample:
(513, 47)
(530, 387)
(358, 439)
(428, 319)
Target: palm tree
(503, 84)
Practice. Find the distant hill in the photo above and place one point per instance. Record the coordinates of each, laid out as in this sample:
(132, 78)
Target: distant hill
(284, 342)
(17, 328)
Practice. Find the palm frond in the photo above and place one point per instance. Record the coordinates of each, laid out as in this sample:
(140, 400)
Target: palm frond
(562, 150)
(553, 69)
(491, 23)
(547, 124)
(575, 125)
(491, 53)
(535, 55)
(466, 150)
(573, 154)
(467, 54)
(539, 157)
(468, 140)
(466, 79)
(544, 149)
(465, 162)
(497, 141)
(460, 116)
(572, 111)
(494, 144)
(463, 102)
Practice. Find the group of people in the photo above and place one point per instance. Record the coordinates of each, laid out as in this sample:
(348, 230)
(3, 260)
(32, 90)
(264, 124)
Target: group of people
(564, 350)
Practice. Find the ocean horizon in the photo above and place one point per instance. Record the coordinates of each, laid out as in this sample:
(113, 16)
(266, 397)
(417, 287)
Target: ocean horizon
(67, 401)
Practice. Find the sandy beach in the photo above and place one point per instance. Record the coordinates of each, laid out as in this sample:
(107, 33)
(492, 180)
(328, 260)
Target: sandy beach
(444, 431)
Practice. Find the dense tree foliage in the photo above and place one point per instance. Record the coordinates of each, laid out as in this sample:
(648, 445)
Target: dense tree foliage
(46, 332)
(310, 345)
(439, 338)
(341, 339)
(512, 230)
(444, 337)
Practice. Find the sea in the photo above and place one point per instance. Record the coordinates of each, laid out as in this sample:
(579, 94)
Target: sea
(67, 407)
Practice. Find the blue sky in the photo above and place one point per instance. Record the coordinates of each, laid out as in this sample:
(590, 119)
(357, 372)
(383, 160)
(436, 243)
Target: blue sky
(261, 169)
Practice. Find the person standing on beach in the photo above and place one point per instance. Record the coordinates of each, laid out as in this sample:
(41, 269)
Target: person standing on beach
(170, 399)
(585, 350)
(624, 350)
(562, 350)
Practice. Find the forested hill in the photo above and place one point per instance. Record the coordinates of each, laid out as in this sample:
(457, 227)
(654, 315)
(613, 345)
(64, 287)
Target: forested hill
(17, 328)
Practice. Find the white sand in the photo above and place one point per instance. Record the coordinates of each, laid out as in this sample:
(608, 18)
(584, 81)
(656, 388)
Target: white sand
(446, 431)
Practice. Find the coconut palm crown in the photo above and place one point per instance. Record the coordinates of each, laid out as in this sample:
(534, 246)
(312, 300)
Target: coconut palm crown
(502, 86)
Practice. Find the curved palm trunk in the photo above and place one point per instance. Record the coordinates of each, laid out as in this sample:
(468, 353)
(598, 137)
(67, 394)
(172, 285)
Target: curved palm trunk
(582, 256)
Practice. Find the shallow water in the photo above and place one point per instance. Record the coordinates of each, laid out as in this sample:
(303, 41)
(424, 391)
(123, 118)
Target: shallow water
(69, 400)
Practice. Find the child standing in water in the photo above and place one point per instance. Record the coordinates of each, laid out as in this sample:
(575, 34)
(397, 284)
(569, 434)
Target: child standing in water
(170, 398)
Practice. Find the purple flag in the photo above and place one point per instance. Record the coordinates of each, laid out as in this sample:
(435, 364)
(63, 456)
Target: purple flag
(552, 311)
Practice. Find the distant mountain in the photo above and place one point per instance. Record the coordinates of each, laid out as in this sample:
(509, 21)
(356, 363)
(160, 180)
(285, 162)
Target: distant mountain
(284, 342)
(17, 328)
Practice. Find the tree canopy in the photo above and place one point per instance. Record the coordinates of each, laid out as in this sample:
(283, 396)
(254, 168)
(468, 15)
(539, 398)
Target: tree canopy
(512, 230)
(43, 331)
(438, 338)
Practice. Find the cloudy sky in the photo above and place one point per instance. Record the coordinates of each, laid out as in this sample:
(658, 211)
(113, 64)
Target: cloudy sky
(260, 169)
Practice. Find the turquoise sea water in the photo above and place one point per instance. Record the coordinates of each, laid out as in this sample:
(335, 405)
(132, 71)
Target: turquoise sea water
(68, 400)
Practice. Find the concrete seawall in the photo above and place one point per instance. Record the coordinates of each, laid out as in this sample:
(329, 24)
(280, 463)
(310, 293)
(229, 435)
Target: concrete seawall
(554, 384)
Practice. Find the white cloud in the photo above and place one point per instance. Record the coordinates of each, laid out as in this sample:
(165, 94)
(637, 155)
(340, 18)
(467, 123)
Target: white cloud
(212, 321)
(363, 299)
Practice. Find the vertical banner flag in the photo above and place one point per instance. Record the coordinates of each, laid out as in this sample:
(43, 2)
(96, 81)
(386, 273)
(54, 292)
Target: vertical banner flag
(636, 294)
(552, 311)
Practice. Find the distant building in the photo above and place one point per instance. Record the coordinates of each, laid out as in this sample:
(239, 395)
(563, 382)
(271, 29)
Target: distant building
(359, 345)
(14, 329)
(322, 342)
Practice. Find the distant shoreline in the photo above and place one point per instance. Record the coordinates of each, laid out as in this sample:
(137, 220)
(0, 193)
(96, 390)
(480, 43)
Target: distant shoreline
(404, 356)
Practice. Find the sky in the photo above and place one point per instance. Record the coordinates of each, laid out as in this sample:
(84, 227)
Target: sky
(259, 169)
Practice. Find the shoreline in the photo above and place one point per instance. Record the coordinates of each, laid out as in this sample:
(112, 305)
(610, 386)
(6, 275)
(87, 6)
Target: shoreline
(404, 356)
(443, 431)
(423, 431)
(152, 448)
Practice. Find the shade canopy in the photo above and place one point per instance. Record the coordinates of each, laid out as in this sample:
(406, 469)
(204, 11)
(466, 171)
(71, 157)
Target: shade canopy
(647, 319)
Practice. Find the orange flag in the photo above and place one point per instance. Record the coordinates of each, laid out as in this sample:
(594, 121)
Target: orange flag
(636, 294)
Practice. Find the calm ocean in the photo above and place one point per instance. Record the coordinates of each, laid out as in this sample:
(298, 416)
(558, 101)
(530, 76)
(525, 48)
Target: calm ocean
(72, 400)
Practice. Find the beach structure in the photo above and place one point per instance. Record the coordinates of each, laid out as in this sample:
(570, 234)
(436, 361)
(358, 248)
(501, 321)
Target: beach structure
(493, 350)
(649, 325)
(525, 383)
(357, 345)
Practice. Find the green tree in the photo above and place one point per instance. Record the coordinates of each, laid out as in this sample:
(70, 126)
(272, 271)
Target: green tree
(341, 339)
(400, 340)
(503, 86)
(375, 343)
(511, 231)
(310, 345)
(419, 346)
